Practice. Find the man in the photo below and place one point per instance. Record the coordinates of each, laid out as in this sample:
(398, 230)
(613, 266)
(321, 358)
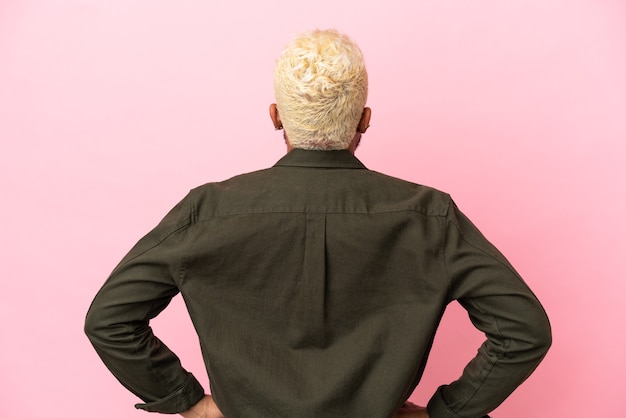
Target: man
(316, 286)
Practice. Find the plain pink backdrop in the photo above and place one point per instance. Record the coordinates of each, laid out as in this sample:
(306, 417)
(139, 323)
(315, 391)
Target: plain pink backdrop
(111, 111)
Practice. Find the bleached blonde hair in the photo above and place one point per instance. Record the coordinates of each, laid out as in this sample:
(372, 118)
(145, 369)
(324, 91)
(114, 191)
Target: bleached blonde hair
(320, 84)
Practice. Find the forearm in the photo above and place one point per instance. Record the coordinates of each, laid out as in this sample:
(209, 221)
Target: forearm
(117, 325)
(139, 360)
(502, 363)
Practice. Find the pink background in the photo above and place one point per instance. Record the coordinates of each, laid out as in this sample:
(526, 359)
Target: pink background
(110, 111)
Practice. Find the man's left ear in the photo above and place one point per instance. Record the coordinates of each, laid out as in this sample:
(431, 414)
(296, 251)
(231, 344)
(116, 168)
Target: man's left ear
(364, 123)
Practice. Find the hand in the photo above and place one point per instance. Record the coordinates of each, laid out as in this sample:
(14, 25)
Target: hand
(205, 408)
(410, 410)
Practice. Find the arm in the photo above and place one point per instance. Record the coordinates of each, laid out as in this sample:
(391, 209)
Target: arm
(117, 323)
(410, 410)
(501, 305)
(206, 408)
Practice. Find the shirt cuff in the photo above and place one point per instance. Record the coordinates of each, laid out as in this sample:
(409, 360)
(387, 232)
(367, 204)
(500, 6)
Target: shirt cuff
(438, 408)
(181, 400)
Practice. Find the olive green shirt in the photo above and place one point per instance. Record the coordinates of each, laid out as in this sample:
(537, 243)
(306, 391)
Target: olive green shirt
(316, 287)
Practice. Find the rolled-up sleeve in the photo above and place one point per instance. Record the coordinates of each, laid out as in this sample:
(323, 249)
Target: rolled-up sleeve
(180, 400)
(117, 323)
(502, 306)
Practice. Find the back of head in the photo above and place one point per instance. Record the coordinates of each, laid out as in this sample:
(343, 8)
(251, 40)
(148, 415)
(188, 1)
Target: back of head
(320, 83)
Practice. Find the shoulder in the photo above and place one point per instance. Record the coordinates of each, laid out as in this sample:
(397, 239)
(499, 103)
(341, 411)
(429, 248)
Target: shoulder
(216, 197)
(423, 198)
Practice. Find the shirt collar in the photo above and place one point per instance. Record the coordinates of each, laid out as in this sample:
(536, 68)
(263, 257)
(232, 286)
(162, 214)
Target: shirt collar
(320, 159)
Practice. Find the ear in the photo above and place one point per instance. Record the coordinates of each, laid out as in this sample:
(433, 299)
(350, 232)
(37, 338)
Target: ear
(275, 117)
(364, 123)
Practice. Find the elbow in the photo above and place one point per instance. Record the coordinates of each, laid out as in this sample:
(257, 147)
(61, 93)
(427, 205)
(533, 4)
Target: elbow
(530, 340)
(545, 338)
(106, 327)
(540, 338)
(95, 327)
(92, 326)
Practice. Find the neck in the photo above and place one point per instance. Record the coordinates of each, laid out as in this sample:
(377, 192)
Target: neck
(351, 148)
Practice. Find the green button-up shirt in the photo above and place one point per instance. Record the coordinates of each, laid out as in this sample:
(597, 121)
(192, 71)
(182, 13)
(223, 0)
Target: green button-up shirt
(316, 287)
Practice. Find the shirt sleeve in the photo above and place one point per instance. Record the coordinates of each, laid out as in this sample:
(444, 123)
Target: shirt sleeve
(502, 306)
(117, 323)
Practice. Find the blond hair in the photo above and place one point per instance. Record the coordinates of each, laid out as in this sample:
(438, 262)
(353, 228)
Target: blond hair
(320, 84)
